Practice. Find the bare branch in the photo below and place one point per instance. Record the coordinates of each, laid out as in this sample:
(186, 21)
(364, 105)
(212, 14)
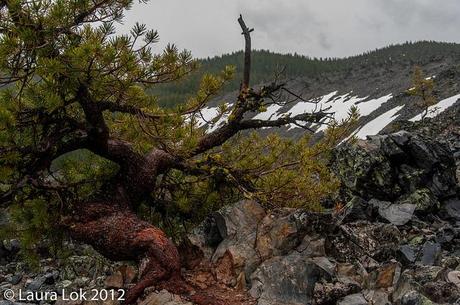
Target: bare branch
(247, 53)
(316, 117)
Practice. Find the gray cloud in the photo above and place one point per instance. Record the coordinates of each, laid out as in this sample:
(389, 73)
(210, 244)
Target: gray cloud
(329, 28)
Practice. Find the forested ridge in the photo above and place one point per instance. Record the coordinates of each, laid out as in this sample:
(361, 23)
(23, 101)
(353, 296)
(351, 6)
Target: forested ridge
(266, 65)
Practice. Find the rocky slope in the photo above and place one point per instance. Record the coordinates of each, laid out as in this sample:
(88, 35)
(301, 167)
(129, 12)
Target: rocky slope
(393, 239)
(381, 95)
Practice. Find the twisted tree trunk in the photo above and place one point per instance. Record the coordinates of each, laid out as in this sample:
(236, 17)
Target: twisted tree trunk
(118, 234)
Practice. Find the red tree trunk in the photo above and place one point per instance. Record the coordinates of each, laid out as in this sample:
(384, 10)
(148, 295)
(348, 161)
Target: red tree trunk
(118, 234)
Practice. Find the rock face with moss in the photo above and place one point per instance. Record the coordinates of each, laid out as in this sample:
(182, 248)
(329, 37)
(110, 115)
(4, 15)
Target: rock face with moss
(395, 175)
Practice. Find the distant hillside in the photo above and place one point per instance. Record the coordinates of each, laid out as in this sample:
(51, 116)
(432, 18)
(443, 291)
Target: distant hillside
(266, 64)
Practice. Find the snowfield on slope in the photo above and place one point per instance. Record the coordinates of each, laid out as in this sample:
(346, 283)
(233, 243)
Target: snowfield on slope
(332, 102)
(377, 124)
(438, 108)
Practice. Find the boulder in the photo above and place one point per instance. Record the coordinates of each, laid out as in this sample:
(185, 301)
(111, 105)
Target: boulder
(353, 299)
(399, 168)
(407, 254)
(287, 280)
(431, 252)
(414, 297)
(442, 292)
(232, 229)
(15, 279)
(377, 297)
(397, 214)
(36, 283)
(363, 241)
(330, 293)
(451, 209)
(312, 245)
(454, 277)
(277, 234)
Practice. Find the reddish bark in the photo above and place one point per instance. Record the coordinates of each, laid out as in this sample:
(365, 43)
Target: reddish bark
(117, 233)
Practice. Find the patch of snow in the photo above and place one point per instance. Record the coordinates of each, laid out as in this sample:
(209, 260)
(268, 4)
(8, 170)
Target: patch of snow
(270, 114)
(207, 114)
(367, 107)
(222, 120)
(377, 124)
(435, 110)
(341, 107)
(311, 105)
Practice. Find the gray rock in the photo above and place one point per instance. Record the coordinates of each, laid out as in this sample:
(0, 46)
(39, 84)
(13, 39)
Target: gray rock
(64, 284)
(392, 167)
(36, 283)
(377, 297)
(365, 171)
(286, 280)
(414, 298)
(15, 279)
(430, 253)
(326, 265)
(423, 199)
(405, 284)
(357, 209)
(397, 214)
(442, 292)
(426, 274)
(401, 138)
(312, 246)
(363, 240)
(407, 254)
(231, 228)
(50, 277)
(328, 293)
(244, 215)
(353, 299)
(451, 209)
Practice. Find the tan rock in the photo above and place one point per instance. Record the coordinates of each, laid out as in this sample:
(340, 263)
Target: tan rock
(225, 271)
(386, 275)
(114, 281)
(129, 273)
(454, 277)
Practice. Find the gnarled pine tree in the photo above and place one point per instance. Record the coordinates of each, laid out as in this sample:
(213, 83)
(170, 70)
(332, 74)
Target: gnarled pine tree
(70, 84)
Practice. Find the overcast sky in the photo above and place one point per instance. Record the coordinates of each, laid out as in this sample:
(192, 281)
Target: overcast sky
(318, 28)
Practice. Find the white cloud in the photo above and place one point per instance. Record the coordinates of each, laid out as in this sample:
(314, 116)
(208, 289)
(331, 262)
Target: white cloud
(329, 28)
